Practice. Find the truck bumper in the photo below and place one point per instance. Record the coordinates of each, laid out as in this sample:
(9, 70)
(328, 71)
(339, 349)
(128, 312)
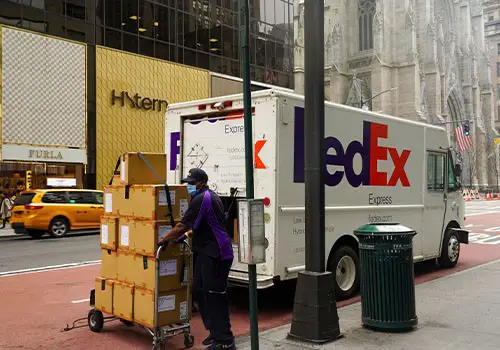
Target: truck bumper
(240, 278)
(463, 235)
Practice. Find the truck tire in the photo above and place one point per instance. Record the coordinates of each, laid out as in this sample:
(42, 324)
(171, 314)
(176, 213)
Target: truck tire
(450, 251)
(344, 265)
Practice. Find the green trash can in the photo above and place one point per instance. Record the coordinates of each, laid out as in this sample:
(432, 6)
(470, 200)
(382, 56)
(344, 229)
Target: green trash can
(387, 276)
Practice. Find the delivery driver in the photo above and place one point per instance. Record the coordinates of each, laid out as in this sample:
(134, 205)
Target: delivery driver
(211, 243)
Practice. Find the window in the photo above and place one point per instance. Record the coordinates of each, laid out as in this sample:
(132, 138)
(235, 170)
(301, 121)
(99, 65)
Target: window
(366, 12)
(498, 91)
(24, 199)
(490, 18)
(498, 49)
(498, 69)
(55, 197)
(498, 113)
(78, 197)
(435, 172)
(98, 197)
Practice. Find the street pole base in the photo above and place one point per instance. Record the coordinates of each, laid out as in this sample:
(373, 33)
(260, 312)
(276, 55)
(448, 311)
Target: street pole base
(315, 318)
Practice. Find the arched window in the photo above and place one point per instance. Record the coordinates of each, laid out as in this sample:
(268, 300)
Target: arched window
(366, 11)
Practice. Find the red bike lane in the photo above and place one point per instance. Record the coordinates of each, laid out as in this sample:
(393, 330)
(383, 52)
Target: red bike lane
(36, 307)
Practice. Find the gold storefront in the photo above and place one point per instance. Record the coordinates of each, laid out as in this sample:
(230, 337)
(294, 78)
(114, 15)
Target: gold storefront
(132, 96)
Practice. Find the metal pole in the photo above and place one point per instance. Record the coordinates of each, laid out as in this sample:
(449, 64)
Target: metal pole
(314, 135)
(247, 102)
(315, 317)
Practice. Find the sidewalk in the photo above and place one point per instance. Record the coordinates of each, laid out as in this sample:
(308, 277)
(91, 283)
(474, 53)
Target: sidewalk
(459, 311)
(8, 232)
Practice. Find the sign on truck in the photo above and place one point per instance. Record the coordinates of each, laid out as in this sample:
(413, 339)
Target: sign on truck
(378, 169)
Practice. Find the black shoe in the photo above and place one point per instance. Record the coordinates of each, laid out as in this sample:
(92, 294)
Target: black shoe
(220, 346)
(208, 340)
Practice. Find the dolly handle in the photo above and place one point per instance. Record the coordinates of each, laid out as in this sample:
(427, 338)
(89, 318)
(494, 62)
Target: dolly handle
(184, 236)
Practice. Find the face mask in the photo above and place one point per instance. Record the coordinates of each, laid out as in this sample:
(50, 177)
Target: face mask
(191, 189)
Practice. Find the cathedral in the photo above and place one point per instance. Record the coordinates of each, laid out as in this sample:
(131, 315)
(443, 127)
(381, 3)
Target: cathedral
(422, 60)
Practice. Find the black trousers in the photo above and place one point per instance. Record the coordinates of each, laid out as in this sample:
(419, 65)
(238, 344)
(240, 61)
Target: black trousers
(210, 283)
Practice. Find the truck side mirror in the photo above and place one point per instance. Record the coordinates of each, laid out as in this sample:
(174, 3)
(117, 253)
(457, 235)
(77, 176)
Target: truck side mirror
(458, 170)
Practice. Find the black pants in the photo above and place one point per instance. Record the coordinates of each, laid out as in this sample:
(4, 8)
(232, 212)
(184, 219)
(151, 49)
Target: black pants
(210, 283)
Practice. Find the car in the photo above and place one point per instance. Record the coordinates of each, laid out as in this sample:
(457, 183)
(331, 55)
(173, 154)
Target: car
(56, 211)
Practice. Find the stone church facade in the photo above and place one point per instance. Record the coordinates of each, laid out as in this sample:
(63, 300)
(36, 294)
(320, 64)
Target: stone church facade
(423, 60)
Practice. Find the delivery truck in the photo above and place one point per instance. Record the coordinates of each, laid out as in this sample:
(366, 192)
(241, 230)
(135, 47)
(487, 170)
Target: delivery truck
(378, 169)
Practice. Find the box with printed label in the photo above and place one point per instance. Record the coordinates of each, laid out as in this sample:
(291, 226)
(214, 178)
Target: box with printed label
(104, 294)
(134, 171)
(125, 265)
(114, 200)
(108, 263)
(109, 232)
(123, 300)
(125, 237)
(175, 272)
(173, 307)
(145, 235)
(149, 202)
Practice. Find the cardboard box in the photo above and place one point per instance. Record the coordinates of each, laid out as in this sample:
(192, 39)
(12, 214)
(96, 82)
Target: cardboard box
(175, 272)
(109, 232)
(125, 237)
(114, 199)
(147, 202)
(104, 294)
(126, 266)
(134, 171)
(116, 180)
(108, 264)
(145, 235)
(173, 307)
(123, 300)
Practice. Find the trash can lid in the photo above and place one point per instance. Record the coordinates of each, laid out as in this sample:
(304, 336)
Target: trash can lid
(386, 228)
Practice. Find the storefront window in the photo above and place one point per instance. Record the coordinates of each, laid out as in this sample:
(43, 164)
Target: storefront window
(14, 176)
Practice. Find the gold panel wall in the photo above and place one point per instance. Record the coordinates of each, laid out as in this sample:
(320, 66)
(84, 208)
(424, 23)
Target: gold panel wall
(136, 123)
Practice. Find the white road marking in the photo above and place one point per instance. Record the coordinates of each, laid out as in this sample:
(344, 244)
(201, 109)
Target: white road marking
(49, 268)
(482, 213)
(473, 225)
(80, 301)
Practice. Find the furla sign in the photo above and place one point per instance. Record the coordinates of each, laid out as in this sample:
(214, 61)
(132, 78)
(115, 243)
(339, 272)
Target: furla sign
(134, 100)
(43, 154)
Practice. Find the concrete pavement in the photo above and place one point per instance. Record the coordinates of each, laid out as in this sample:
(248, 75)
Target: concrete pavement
(459, 311)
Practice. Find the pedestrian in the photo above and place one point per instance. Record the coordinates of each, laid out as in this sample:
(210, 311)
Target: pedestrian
(5, 209)
(214, 257)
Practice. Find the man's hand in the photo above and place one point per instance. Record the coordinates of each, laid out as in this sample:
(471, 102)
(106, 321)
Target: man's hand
(175, 233)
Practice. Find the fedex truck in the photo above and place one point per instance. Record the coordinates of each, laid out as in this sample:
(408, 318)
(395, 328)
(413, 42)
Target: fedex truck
(378, 169)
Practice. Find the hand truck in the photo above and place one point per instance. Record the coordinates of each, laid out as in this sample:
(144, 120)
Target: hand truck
(160, 334)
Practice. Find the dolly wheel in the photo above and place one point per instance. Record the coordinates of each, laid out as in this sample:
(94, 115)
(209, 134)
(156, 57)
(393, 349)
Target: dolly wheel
(188, 341)
(96, 320)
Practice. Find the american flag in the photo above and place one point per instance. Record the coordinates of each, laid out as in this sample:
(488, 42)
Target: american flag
(464, 142)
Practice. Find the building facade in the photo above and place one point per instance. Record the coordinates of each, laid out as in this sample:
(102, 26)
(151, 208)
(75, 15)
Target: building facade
(492, 34)
(416, 59)
(200, 33)
(157, 49)
(43, 111)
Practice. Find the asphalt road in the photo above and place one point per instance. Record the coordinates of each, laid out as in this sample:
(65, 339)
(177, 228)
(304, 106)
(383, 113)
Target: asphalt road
(22, 252)
(25, 253)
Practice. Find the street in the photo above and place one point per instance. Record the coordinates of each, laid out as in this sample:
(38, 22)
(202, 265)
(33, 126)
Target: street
(39, 304)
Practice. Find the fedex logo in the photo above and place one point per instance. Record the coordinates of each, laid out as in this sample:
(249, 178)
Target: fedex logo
(369, 150)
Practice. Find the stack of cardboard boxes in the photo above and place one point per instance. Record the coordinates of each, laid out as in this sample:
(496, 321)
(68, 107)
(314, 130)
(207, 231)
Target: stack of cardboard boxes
(136, 218)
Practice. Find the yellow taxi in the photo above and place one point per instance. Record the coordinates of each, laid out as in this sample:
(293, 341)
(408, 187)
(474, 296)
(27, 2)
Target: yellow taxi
(57, 211)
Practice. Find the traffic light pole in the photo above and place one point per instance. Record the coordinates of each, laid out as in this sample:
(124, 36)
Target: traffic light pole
(315, 318)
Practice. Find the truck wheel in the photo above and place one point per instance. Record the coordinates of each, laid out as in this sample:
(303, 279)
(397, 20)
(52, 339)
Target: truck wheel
(59, 227)
(344, 265)
(450, 251)
(95, 320)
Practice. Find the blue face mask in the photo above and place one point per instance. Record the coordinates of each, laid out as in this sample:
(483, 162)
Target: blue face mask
(191, 190)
